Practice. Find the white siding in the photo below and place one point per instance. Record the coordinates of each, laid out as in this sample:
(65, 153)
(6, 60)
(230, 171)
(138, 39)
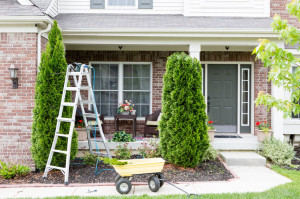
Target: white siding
(241, 8)
(159, 7)
(52, 10)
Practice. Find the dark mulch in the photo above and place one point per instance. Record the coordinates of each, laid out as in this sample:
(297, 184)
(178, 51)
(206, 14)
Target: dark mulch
(297, 161)
(80, 173)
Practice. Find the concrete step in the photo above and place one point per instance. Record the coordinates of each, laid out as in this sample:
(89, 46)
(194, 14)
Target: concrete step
(244, 158)
(246, 143)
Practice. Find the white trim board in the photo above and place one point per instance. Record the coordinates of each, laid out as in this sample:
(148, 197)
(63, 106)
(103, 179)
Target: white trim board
(238, 87)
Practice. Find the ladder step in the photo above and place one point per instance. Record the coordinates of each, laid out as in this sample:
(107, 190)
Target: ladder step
(77, 73)
(92, 115)
(59, 151)
(85, 88)
(55, 167)
(92, 128)
(68, 104)
(65, 119)
(71, 88)
(63, 135)
(87, 101)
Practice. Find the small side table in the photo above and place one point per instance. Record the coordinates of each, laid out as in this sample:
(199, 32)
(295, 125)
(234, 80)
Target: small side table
(126, 117)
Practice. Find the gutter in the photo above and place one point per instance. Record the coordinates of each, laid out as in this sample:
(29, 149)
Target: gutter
(40, 43)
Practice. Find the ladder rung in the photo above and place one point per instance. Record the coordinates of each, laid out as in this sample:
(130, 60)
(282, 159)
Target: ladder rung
(85, 88)
(65, 119)
(55, 167)
(71, 88)
(77, 73)
(59, 151)
(68, 104)
(63, 135)
(92, 128)
(87, 101)
(92, 115)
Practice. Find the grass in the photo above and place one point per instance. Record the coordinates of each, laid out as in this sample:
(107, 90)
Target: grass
(289, 191)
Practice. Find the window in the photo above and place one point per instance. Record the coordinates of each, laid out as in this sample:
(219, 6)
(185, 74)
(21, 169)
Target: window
(245, 96)
(121, 2)
(295, 116)
(116, 82)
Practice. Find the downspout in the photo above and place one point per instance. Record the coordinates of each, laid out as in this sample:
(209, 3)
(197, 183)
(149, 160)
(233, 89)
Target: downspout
(39, 45)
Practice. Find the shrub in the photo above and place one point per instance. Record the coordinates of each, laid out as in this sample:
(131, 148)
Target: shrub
(277, 151)
(150, 150)
(90, 159)
(122, 136)
(8, 170)
(183, 129)
(210, 154)
(123, 152)
(48, 94)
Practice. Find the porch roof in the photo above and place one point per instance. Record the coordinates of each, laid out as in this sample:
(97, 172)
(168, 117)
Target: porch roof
(158, 22)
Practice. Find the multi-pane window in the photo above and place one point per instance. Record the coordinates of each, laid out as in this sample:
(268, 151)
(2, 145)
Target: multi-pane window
(295, 116)
(121, 2)
(245, 96)
(115, 83)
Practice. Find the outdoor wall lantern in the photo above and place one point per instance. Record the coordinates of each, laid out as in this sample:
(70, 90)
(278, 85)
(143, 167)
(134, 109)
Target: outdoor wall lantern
(13, 71)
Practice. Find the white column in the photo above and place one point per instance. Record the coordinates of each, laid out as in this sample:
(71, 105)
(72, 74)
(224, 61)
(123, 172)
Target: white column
(195, 49)
(277, 116)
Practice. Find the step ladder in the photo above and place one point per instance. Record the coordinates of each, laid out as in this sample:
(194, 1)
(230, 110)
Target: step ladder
(77, 73)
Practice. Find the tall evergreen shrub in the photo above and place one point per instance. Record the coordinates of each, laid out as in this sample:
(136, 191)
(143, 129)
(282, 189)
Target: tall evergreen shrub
(48, 93)
(183, 129)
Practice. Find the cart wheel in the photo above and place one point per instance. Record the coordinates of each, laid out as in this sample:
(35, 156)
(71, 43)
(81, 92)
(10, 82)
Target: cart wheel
(117, 178)
(123, 186)
(154, 183)
(161, 179)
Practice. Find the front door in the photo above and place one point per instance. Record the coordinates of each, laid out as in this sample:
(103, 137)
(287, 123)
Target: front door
(222, 96)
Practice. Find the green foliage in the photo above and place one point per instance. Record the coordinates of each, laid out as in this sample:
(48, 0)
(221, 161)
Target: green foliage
(112, 161)
(183, 128)
(90, 159)
(150, 150)
(280, 62)
(8, 170)
(48, 94)
(123, 151)
(122, 136)
(279, 152)
(210, 154)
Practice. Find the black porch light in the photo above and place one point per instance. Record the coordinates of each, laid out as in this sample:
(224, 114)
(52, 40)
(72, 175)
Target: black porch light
(13, 73)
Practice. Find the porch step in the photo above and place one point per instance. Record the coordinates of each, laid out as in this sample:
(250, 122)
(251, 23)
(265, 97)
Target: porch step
(246, 143)
(243, 158)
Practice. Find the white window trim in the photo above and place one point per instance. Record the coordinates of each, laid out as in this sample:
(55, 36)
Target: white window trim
(120, 83)
(248, 100)
(108, 7)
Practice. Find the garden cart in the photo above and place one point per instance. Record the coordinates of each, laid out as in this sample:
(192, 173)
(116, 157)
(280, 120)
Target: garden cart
(152, 166)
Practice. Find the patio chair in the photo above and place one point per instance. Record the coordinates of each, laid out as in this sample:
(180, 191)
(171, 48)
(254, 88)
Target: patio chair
(151, 123)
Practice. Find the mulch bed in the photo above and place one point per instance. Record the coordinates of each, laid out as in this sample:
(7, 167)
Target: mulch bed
(81, 173)
(297, 161)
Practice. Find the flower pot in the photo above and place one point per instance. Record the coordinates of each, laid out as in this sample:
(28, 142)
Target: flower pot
(211, 134)
(133, 112)
(261, 135)
(82, 135)
(125, 113)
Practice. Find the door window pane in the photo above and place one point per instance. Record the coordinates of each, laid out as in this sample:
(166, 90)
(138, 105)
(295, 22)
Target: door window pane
(245, 97)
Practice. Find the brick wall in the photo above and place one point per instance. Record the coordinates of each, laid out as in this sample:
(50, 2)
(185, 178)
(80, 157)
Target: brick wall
(279, 7)
(260, 77)
(158, 59)
(16, 104)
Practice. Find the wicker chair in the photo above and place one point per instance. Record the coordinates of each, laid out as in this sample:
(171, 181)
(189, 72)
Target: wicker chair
(151, 123)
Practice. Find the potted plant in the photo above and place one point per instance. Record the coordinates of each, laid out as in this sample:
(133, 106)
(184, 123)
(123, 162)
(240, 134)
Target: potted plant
(125, 108)
(264, 131)
(211, 130)
(81, 130)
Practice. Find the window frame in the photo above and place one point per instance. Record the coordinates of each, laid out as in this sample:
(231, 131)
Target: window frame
(135, 7)
(121, 83)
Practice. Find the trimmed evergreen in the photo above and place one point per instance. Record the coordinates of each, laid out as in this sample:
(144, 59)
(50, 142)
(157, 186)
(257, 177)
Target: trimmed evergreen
(183, 128)
(48, 94)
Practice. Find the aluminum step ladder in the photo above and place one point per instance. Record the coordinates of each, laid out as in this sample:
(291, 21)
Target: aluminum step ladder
(77, 73)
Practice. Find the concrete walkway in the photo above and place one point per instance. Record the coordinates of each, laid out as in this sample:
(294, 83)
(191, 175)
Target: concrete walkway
(250, 179)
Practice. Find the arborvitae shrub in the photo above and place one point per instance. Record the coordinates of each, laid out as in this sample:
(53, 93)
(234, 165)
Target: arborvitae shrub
(48, 93)
(183, 129)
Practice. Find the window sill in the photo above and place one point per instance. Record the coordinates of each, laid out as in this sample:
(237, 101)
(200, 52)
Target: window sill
(292, 121)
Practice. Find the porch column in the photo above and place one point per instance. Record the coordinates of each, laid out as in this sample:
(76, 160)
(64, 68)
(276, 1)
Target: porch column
(277, 116)
(194, 50)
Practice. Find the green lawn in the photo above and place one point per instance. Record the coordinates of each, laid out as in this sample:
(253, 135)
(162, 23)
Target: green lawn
(290, 191)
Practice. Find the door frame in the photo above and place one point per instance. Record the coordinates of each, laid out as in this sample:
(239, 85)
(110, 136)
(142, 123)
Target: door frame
(238, 91)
